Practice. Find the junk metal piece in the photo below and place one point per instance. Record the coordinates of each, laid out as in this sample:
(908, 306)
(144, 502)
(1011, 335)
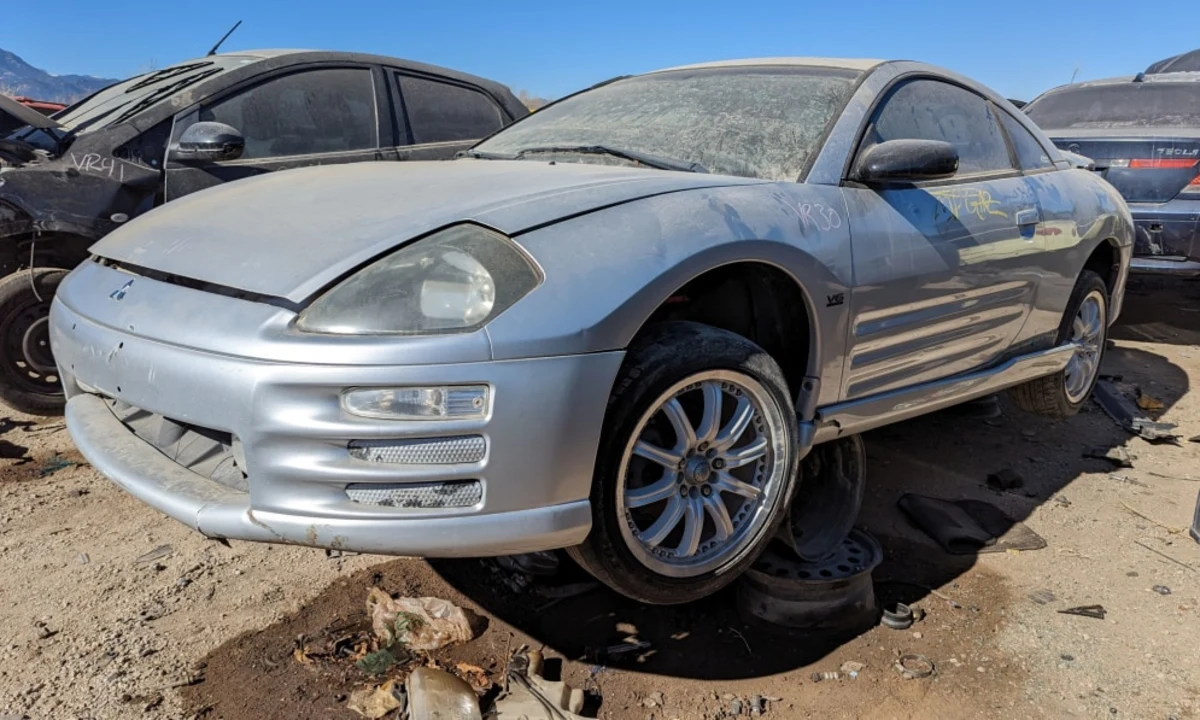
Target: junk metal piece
(532, 697)
(967, 527)
(833, 596)
(914, 667)
(1118, 456)
(1092, 611)
(897, 616)
(1195, 530)
(1126, 414)
(832, 479)
(437, 695)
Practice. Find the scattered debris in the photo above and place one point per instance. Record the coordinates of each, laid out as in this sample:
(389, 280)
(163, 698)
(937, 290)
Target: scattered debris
(1149, 402)
(1161, 589)
(1042, 597)
(653, 700)
(1194, 438)
(476, 676)
(1118, 456)
(852, 668)
(1147, 518)
(162, 552)
(1180, 563)
(417, 623)
(827, 675)
(82, 558)
(532, 697)
(1129, 416)
(967, 527)
(375, 702)
(55, 463)
(914, 667)
(897, 616)
(1092, 611)
(1194, 531)
(618, 650)
(1068, 658)
(44, 632)
(375, 663)
(1006, 479)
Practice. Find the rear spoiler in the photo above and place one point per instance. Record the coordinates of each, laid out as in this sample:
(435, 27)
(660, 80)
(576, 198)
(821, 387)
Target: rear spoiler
(26, 115)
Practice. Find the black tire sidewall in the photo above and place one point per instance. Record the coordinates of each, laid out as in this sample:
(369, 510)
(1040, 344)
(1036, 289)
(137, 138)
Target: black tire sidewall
(669, 354)
(17, 293)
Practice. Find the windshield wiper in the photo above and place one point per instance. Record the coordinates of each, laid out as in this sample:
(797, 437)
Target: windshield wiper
(654, 161)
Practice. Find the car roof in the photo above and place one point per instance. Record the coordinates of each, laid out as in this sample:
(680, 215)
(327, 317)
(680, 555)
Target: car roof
(843, 63)
(1152, 78)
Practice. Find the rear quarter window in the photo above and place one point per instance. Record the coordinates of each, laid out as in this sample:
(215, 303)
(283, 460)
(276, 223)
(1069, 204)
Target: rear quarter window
(445, 112)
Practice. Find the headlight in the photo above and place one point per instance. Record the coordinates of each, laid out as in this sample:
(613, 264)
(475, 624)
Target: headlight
(455, 280)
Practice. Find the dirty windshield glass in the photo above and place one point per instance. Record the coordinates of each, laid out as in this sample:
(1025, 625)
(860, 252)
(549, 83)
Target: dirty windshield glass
(1125, 105)
(761, 122)
(127, 98)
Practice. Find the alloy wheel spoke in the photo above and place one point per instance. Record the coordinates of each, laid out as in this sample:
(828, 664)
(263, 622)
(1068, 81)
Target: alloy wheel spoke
(662, 527)
(720, 517)
(654, 492)
(693, 527)
(742, 415)
(747, 454)
(728, 483)
(666, 458)
(710, 421)
(685, 436)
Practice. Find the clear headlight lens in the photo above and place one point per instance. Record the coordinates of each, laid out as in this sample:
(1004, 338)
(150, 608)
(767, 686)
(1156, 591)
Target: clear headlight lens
(455, 280)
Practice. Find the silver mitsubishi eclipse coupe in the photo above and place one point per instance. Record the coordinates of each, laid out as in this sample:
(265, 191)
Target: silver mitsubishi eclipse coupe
(616, 326)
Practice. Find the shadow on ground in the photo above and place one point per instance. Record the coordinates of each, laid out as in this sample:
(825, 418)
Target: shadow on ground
(947, 455)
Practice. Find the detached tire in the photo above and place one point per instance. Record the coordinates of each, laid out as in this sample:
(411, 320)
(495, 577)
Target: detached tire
(1085, 324)
(29, 380)
(695, 468)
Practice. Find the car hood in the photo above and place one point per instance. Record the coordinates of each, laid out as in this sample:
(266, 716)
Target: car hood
(290, 234)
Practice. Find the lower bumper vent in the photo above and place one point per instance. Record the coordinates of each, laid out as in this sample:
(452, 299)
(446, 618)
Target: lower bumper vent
(421, 451)
(433, 495)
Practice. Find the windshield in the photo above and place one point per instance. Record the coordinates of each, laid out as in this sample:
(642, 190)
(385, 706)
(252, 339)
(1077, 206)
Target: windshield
(120, 101)
(760, 122)
(1124, 105)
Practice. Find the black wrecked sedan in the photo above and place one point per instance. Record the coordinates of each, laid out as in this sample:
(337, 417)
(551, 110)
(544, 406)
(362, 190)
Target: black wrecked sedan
(1142, 134)
(68, 180)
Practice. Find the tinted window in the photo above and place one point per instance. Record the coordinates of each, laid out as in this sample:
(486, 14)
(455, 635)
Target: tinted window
(1030, 152)
(441, 112)
(931, 110)
(316, 111)
(760, 122)
(1144, 104)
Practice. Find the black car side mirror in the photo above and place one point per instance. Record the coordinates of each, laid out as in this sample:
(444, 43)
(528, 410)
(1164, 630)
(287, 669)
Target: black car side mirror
(208, 142)
(906, 161)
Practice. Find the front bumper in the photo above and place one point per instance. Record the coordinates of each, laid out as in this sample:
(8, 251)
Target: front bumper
(1166, 240)
(291, 438)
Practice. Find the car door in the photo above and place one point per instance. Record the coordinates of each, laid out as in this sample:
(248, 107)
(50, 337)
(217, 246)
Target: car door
(318, 115)
(943, 270)
(442, 117)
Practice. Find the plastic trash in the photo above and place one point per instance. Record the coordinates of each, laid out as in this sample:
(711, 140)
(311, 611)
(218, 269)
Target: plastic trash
(435, 694)
(425, 623)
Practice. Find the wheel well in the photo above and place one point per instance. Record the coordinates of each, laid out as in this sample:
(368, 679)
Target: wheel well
(757, 301)
(1105, 262)
(59, 250)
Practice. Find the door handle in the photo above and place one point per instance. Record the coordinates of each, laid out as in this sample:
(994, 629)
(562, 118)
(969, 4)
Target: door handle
(1028, 216)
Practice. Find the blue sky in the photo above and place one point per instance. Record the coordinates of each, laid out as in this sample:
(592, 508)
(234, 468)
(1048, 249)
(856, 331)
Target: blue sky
(1019, 47)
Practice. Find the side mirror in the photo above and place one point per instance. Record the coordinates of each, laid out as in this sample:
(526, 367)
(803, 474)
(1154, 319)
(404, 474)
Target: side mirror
(208, 142)
(907, 161)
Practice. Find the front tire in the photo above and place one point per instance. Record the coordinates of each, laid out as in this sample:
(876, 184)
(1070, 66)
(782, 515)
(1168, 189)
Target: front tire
(695, 467)
(29, 379)
(1085, 325)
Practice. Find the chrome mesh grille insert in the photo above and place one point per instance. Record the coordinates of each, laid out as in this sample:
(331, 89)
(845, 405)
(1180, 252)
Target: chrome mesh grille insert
(421, 451)
(433, 495)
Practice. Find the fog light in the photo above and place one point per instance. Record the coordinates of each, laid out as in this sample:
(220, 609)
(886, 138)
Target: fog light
(418, 403)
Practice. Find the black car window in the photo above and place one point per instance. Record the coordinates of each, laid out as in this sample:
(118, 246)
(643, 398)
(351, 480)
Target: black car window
(315, 111)
(1030, 152)
(1150, 104)
(442, 112)
(933, 110)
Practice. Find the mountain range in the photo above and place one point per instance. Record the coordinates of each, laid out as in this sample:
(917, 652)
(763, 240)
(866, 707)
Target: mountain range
(19, 78)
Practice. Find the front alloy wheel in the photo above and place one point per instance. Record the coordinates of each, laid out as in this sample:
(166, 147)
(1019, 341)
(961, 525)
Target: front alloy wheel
(696, 464)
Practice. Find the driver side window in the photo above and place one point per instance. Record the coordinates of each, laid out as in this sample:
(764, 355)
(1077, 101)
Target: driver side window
(934, 110)
(315, 111)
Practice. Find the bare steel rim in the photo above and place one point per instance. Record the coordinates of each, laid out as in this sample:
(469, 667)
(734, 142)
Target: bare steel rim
(1087, 335)
(700, 473)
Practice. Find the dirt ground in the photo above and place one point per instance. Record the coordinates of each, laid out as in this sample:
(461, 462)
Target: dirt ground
(110, 610)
